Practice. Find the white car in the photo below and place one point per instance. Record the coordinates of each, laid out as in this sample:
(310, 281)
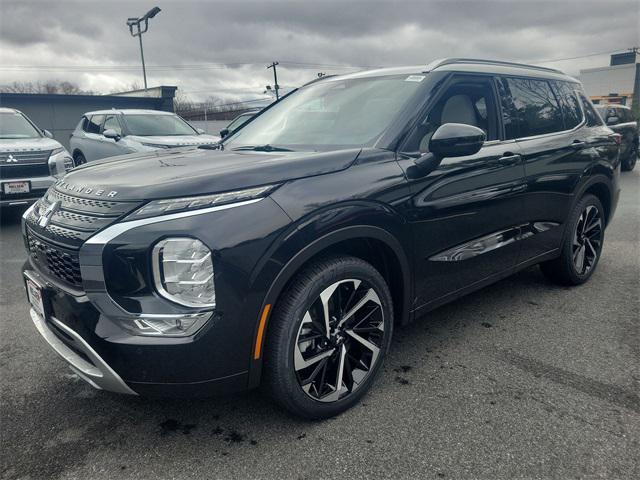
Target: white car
(107, 133)
(30, 159)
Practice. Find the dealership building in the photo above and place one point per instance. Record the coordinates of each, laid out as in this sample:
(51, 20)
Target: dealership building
(617, 83)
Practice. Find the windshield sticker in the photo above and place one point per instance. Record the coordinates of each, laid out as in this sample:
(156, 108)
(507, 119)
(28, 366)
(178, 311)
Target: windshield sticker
(414, 78)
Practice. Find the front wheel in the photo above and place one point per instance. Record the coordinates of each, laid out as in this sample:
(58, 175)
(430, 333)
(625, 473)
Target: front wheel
(78, 159)
(328, 337)
(581, 246)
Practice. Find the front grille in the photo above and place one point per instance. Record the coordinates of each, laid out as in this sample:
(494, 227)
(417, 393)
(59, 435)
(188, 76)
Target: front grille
(10, 171)
(54, 248)
(28, 157)
(60, 263)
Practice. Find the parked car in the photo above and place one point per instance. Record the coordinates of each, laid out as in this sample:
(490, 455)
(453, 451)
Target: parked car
(286, 255)
(239, 121)
(107, 133)
(620, 119)
(30, 159)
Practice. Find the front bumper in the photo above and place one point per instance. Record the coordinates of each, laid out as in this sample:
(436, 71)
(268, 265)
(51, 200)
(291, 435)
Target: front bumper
(93, 369)
(39, 186)
(216, 359)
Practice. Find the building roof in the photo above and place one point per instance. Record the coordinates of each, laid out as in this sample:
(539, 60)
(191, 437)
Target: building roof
(129, 111)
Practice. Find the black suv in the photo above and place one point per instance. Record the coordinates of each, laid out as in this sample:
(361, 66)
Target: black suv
(621, 120)
(286, 255)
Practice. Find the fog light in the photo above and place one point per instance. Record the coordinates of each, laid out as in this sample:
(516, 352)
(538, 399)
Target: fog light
(183, 272)
(170, 325)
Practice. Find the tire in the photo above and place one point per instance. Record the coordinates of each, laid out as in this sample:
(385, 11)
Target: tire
(296, 337)
(629, 163)
(78, 159)
(584, 233)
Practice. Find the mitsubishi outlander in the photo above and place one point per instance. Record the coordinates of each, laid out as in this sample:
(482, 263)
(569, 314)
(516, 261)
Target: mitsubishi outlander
(285, 256)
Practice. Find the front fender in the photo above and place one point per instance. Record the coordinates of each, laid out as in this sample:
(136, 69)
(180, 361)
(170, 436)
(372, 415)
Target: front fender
(314, 234)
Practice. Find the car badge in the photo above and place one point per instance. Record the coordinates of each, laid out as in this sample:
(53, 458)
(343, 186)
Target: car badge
(11, 159)
(45, 218)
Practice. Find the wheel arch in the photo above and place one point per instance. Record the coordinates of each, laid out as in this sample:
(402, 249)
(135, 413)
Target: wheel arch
(370, 243)
(600, 186)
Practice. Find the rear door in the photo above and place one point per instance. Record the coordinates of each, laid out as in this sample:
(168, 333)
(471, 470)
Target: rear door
(544, 118)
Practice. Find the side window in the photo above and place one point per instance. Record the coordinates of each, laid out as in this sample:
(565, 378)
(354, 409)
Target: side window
(466, 100)
(94, 124)
(535, 108)
(112, 122)
(84, 124)
(593, 119)
(570, 107)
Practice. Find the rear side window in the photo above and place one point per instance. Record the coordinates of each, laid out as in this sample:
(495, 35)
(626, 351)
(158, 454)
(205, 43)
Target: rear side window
(94, 124)
(533, 108)
(593, 119)
(569, 102)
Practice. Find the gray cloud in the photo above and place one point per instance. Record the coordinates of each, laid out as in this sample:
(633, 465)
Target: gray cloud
(94, 34)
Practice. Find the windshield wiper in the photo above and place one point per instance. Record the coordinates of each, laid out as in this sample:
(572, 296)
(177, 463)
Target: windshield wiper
(261, 148)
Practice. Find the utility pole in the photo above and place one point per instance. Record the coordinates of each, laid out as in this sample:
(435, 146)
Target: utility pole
(276, 87)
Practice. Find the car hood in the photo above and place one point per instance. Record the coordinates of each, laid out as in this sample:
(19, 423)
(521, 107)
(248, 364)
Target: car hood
(176, 140)
(27, 144)
(187, 172)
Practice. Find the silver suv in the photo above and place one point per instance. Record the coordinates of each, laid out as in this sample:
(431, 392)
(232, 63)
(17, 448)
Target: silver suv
(106, 133)
(30, 159)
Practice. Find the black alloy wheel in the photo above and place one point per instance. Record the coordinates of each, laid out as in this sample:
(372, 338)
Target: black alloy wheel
(339, 340)
(328, 337)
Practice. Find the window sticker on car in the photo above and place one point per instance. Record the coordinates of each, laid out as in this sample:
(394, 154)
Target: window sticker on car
(414, 78)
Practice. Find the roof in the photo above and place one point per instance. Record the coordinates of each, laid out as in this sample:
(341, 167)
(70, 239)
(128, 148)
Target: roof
(9, 110)
(465, 65)
(129, 111)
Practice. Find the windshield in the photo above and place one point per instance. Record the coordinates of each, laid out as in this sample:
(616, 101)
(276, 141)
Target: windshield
(149, 125)
(239, 121)
(15, 125)
(346, 113)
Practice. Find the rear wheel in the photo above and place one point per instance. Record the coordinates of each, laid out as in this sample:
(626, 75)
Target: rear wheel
(629, 163)
(582, 244)
(328, 337)
(78, 159)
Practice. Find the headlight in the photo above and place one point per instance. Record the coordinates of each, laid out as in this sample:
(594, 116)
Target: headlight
(172, 205)
(183, 272)
(60, 162)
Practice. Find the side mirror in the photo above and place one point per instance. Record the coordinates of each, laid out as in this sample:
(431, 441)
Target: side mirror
(224, 132)
(200, 131)
(613, 120)
(111, 133)
(47, 133)
(452, 140)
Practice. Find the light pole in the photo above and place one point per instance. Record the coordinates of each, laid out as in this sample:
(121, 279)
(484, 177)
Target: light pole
(136, 22)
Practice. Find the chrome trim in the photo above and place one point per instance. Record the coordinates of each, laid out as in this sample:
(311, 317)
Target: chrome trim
(117, 229)
(97, 373)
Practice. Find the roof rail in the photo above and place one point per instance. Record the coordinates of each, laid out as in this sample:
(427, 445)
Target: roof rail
(449, 61)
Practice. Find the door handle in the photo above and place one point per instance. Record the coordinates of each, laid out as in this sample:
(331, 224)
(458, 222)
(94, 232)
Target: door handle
(578, 144)
(508, 159)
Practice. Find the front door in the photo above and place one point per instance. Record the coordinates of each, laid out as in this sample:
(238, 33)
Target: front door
(465, 214)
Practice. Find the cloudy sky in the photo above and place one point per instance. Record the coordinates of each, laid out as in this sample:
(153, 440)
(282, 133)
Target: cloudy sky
(222, 48)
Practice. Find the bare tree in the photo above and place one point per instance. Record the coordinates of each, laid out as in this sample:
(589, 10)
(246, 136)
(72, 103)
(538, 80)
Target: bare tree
(50, 86)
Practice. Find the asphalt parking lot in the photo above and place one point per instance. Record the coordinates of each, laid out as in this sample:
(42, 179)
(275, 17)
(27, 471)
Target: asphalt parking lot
(522, 379)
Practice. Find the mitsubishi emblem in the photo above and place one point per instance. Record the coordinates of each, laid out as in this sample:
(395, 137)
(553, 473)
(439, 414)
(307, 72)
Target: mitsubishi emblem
(45, 218)
(12, 159)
